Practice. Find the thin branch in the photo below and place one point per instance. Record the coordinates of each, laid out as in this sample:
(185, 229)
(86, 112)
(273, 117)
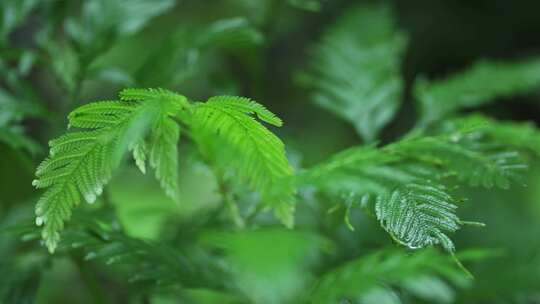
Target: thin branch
(229, 201)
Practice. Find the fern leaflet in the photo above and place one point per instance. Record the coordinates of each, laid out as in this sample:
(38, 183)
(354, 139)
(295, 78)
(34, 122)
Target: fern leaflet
(481, 84)
(355, 69)
(493, 164)
(407, 180)
(231, 137)
(418, 215)
(143, 121)
(164, 154)
(81, 163)
(519, 135)
(12, 112)
(378, 274)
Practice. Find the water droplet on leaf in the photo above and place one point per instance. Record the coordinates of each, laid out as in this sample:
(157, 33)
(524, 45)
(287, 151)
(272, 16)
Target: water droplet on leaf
(39, 221)
(90, 198)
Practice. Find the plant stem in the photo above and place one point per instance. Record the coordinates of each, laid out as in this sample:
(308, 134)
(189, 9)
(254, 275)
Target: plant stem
(234, 212)
(228, 200)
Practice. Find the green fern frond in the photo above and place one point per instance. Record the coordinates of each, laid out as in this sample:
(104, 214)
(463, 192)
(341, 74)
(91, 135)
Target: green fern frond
(482, 83)
(163, 154)
(411, 203)
(351, 158)
(143, 121)
(82, 170)
(479, 163)
(162, 145)
(364, 173)
(382, 272)
(413, 172)
(139, 155)
(134, 94)
(523, 136)
(177, 61)
(231, 33)
(356, 69)
(404, 191)
(12, 112)
(100, 19)
(248, 106)
(418, 215)
(81, 163)
(148, 263)
(102, 114)
(255, 153)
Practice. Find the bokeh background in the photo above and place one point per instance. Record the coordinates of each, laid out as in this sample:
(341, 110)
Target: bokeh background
(53, 58)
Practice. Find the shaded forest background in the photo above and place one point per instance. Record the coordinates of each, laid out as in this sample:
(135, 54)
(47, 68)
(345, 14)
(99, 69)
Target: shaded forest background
(54, 68)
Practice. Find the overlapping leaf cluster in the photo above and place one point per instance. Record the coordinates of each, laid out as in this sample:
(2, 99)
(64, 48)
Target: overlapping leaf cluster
(408, 184)
(355, 73)
(147, 122)
(409, 181)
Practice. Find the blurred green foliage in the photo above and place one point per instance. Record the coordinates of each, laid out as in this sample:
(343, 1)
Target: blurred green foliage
(368, 92)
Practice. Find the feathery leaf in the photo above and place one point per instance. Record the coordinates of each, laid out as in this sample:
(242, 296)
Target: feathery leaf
(480, 163)
(519, 135)
(356, 69)
(252, 151)
(482, 83)
(164, 154)
(407, 180)
(418, 215)
(381, 271)
(81, 163)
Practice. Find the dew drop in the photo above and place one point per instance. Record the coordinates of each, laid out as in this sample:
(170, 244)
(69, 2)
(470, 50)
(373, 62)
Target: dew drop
(39, 221)
(141, 165)
(51, 245)
(98, 190)
(413, 247)
(90, 198)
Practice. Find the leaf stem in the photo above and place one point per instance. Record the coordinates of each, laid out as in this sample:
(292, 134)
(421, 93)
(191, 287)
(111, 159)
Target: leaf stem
(229, 201)
(462, 267)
